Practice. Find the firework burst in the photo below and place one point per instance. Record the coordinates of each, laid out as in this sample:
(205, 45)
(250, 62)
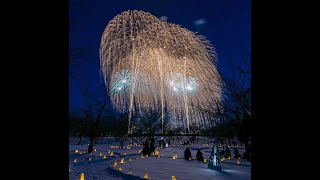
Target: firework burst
(149, 64)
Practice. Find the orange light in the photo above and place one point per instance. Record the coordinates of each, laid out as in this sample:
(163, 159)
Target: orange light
(145, 176)
(82, 176)
(122, 161)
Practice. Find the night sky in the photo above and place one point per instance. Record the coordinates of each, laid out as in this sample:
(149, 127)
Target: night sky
(226, 23)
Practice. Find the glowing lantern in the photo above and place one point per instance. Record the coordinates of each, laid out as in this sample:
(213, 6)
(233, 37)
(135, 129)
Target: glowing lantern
(76, 151)
(104, 157)
(145, 176)
(117, 147)
(111, 154)
(101, 154)
(90, 158)
(114, 164)
(122, 160)
(109, 151)
(80, 152)
(238, 161)
(156, 152)
(75, 160)
(229, 157)
(82, 176)
(173, 178)
(69, 168)
(175, 157)
(141, 156)
(95, 150)
(130, 171)
(222, 159)
(205, 160)
(120, 168)
(130, 159)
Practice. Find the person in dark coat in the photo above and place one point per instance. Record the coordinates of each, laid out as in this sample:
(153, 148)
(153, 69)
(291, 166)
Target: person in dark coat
(187, 154)
(222, 153)
(146, 148)
(236, 153)
(228, 153)
(199, 155)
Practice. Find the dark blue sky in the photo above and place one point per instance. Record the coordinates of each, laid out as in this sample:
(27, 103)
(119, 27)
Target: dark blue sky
(226, 23)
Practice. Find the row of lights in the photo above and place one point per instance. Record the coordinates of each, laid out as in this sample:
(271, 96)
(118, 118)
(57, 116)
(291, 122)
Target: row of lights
(145, 175)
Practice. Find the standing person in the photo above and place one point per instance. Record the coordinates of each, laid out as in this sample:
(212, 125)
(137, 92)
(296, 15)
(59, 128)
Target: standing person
(146, 148)
(228, 153)
(236, 153)
(187, 154)
(199, 155)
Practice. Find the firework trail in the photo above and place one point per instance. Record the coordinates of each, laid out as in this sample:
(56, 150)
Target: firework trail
(149, 64)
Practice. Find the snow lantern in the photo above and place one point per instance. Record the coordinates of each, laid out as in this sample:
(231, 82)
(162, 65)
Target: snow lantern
(82, 176)
(145, 176)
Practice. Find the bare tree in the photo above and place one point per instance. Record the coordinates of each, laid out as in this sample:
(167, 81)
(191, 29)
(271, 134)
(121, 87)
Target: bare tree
(96, 116)
(93, 116)
(149, 122)
(234, 110)
(77, 128)
(120, 127)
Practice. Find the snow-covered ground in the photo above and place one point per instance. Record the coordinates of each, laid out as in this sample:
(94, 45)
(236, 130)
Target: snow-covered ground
(101, 163)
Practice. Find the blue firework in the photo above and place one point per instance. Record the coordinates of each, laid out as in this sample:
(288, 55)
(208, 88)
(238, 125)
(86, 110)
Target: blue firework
(121, 82)
(176, 84)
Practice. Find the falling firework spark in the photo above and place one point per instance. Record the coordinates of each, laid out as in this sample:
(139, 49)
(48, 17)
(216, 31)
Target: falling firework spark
(149, 64)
